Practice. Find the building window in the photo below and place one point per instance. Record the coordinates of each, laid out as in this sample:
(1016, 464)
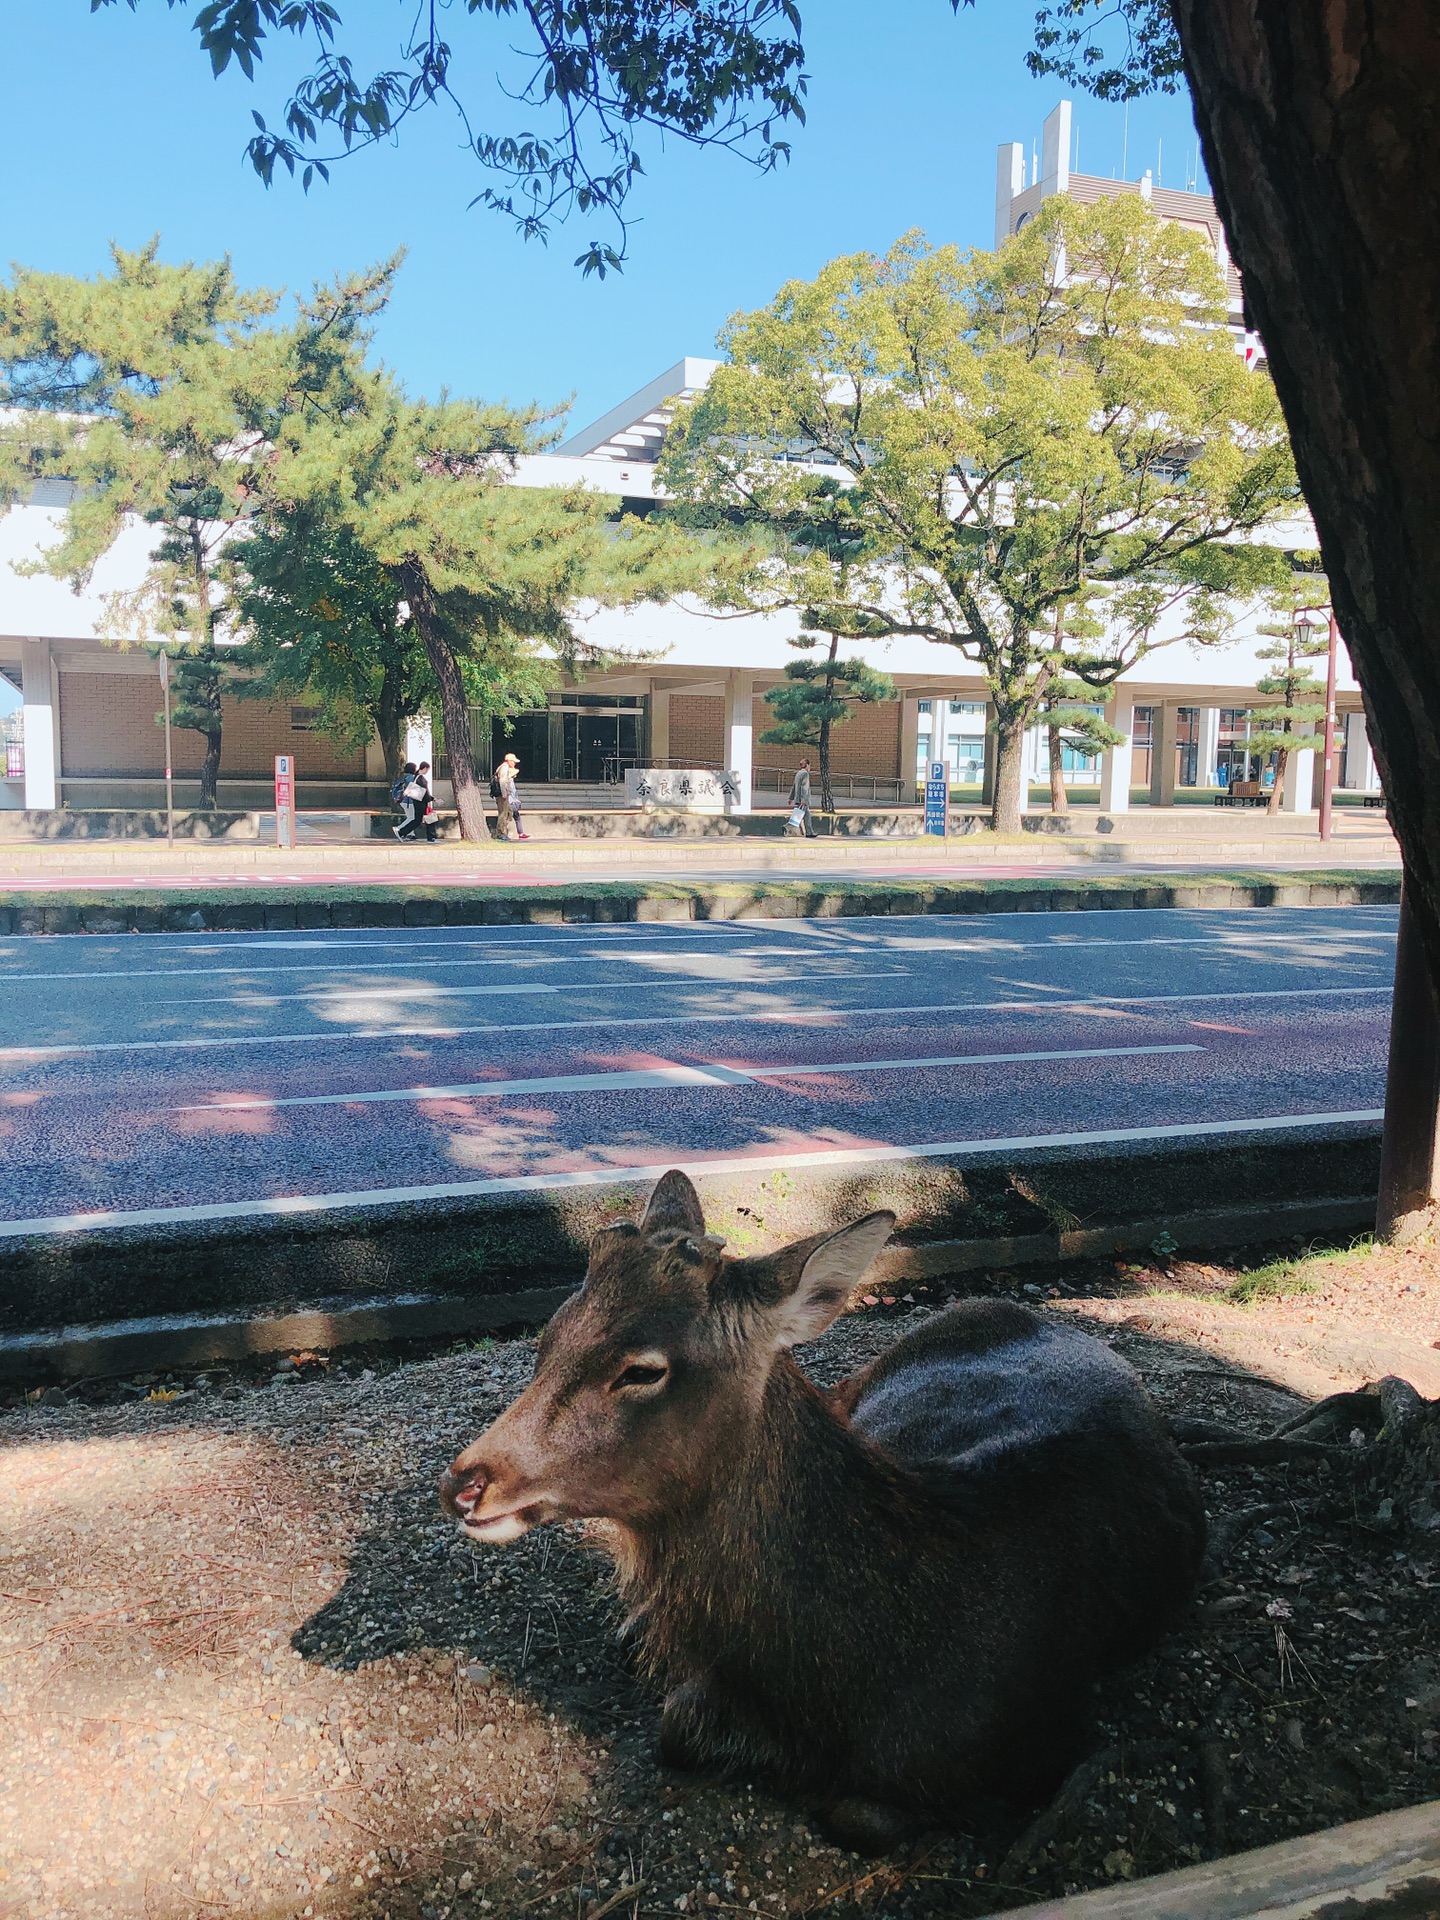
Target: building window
(305, 719)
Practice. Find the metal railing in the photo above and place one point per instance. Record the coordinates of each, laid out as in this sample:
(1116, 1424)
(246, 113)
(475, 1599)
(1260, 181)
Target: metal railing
(845, 786)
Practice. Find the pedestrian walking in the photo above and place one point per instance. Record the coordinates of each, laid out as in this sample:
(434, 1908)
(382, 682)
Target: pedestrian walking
(405, 796)
(506, 793)
(799, 821)
(425, 815)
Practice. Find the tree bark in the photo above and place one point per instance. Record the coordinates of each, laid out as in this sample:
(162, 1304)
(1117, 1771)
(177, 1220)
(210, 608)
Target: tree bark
(1318, 126)
(827, 798)
(1410, 1152)
(210, 769)
(390, 723)
(1009, 759)
(1059, 798)
(1277, 792)
(454, 713)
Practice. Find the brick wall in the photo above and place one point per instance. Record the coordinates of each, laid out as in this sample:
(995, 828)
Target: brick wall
(697, 729)
(108, 726)
(867, 742)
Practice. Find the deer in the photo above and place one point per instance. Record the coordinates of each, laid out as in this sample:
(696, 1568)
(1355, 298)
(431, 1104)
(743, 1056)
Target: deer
(889, 1600)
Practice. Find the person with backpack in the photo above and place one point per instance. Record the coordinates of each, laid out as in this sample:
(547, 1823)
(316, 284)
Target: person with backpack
(505, 792)
(426, 815)
(403, 804)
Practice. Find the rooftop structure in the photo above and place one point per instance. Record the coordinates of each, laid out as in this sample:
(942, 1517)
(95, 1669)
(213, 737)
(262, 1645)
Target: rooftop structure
(1018, 200)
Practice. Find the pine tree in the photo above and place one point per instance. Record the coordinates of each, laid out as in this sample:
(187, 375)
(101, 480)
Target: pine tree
(151, 389)
(1297, 705)
(815, 696)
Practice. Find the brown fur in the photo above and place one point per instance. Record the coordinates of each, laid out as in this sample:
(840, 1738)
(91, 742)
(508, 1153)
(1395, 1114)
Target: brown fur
(888, 1635)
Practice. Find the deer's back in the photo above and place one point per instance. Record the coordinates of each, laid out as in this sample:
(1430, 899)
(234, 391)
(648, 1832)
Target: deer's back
(986, 1383)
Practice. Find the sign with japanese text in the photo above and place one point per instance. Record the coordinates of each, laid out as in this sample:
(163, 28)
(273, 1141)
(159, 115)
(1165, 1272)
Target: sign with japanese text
(284, 800)
(937, 797)
(697, 790)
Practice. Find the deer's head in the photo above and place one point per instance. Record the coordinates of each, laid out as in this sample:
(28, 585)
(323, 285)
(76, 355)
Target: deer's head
(647, 1380)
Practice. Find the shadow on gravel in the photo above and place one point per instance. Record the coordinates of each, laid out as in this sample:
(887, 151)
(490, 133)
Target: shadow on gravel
(1304, 1692)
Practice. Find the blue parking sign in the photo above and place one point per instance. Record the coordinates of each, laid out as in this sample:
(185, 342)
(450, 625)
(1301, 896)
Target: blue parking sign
(937, 797)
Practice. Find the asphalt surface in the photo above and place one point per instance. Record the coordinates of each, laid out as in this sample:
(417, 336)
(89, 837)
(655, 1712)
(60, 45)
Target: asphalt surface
(159, 1077)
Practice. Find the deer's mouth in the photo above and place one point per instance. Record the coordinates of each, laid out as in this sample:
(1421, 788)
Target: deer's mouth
(497, 1529)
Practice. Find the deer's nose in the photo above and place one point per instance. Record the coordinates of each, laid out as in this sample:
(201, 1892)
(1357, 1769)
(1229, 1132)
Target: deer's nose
(461, 1493)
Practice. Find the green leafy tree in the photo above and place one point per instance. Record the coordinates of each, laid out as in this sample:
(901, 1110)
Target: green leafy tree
(715, 73)
(815, 696)
(1012, 433)
(152, 390)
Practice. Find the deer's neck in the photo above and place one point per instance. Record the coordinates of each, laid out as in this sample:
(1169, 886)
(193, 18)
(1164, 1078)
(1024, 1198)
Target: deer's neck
(749, 1572)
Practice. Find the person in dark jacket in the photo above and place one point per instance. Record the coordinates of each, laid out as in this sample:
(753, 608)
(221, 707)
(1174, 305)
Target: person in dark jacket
(425, 815)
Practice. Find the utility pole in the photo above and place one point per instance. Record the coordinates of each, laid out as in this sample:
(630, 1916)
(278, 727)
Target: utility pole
(1327, 767)
(169, 770)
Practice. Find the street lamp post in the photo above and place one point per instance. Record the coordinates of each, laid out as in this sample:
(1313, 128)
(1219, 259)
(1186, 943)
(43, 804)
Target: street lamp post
(1327, 767)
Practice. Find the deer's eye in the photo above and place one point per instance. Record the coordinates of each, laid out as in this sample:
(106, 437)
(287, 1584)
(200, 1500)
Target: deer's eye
(647, 1372)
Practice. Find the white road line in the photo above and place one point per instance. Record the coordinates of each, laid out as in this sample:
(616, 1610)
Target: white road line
(708, 1073)
(282, 1205)
(1103, 1003)
(310, 995)
(973, 946)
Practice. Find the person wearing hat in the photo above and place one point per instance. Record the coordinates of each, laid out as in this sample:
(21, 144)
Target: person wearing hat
(508, 794)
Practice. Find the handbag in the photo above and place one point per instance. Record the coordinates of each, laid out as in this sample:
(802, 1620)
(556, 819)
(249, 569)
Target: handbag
(797, 818)
(414, 791)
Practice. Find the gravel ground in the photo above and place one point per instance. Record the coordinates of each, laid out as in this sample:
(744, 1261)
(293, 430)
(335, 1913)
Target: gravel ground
(245, 1668)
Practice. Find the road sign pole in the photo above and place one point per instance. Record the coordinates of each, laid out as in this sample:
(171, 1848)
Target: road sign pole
(937, 797)
(284, 800)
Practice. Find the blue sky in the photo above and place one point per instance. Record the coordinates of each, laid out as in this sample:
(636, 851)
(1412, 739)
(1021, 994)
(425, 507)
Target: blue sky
(111, 127)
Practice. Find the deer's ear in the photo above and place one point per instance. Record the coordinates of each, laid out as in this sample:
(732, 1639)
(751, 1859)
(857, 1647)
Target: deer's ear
(674, 1207)
(826, 1280)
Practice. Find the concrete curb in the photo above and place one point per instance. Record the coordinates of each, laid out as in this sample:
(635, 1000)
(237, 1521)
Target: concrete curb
(118, 1301)
(1388, 1865)
(134, 909)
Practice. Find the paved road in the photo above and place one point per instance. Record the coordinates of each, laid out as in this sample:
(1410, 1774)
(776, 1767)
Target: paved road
(172, 1077)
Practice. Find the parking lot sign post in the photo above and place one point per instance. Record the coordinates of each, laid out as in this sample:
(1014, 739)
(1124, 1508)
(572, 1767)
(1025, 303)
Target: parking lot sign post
(937, 797)
(284, 800)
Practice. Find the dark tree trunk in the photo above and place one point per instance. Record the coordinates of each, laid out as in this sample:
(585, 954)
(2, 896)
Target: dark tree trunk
(827, 798)
(469, 801)
(210, 769)
(1005, 808)
(1319, 125)
(390, 722)
(1059, 798)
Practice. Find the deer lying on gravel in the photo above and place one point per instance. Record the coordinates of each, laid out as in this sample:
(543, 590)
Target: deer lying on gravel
(891, 1598)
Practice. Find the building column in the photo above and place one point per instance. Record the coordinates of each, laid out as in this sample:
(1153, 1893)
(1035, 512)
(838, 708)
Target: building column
(1115, 761)
(740, 734)
(1164, 732)
(40, 693)
(1207, 753)
(1359, 759)
(1299, 794)
(909, 767)
(659, 749)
